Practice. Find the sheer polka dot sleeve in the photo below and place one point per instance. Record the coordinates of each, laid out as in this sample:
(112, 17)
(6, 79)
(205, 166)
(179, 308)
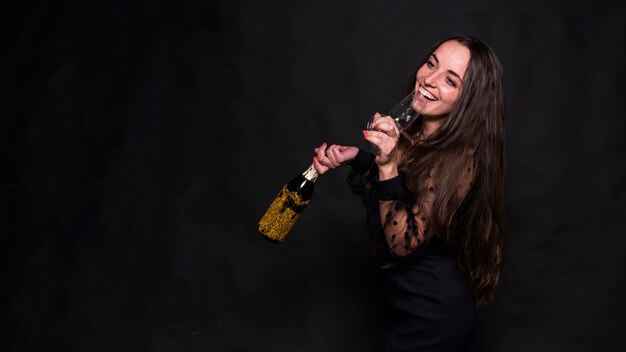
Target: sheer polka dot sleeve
(405, 221)
(405, 225)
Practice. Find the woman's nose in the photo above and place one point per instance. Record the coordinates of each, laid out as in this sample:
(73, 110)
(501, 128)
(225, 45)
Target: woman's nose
(430, 80)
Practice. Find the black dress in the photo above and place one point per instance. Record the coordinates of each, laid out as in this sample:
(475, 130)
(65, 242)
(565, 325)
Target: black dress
(432, 308)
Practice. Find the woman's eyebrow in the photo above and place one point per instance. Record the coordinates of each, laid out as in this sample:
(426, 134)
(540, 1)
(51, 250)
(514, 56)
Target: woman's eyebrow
(455, 74)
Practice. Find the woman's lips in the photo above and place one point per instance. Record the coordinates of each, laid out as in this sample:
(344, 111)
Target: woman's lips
(425, 94)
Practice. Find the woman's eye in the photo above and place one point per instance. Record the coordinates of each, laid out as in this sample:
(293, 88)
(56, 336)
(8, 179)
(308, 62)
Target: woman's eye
(430, 64)
(451, 82)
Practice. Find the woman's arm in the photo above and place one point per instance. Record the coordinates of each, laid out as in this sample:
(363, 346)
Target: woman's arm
(405, 220)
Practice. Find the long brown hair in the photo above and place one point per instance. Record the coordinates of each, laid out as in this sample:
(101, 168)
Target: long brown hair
(474, 129)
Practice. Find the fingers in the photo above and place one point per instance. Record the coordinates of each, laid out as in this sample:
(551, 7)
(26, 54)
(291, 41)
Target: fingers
(385, 144)
(382, 139)
(334, 155)
(372, 124)
(321, 158)
(330, 157)
(385, 137)
(375, 137)
(321, 154)
(321, 169)
(386, 124)
(345, 154)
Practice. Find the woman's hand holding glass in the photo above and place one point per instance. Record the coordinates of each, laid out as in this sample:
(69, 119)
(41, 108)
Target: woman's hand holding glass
(383, 133)
(384, 136)
(330, 157)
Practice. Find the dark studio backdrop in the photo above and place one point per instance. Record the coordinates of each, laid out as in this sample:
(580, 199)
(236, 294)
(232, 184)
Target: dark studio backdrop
(143, 140)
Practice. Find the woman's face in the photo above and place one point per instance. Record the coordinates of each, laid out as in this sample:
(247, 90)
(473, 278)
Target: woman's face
(440, 80)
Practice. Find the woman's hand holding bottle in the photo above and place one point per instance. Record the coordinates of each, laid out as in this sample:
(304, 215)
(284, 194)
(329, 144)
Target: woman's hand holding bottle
(330, 157)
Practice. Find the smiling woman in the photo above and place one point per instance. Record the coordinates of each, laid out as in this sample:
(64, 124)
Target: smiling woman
(434, 197)
(439, 81)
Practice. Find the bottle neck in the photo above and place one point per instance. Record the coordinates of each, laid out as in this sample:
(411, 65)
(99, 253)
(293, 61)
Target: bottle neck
(310, 174)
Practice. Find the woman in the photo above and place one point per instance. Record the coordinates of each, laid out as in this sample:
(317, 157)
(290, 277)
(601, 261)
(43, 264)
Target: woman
(434, 197)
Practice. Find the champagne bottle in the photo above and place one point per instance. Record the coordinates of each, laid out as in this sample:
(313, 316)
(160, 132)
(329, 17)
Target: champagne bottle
(288, 206)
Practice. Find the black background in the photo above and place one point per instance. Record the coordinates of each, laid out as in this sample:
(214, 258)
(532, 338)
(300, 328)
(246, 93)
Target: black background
(144, 140)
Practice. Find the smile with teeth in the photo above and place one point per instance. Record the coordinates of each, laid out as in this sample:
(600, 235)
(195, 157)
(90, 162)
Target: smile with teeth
(426, 94)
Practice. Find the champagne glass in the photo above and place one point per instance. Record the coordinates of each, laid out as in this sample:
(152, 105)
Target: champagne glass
(404, 114)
